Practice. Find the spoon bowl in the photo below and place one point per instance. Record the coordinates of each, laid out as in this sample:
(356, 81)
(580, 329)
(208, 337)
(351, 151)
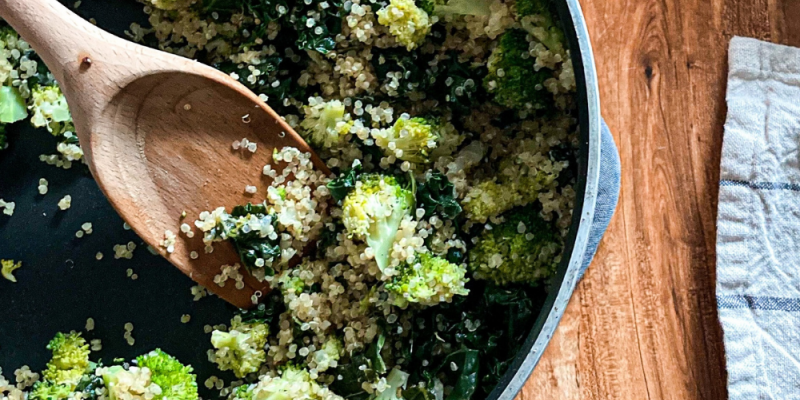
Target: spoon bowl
(157, 131)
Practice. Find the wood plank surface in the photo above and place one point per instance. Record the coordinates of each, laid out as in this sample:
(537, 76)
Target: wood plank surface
(643, 322)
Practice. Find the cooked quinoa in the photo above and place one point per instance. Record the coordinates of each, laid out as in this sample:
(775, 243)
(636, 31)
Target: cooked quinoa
(8, 207)
(450, 129)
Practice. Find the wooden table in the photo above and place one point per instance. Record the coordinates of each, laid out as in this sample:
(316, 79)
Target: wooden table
(643, 322)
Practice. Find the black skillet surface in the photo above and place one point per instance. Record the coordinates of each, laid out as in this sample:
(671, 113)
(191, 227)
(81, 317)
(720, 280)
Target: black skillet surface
(61, 284)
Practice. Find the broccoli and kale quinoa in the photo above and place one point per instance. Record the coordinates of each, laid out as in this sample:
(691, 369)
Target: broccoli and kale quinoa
(411, 272)
(71, 375)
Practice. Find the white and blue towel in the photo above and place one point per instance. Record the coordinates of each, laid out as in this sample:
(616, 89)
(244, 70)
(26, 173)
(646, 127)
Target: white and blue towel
(758, 225)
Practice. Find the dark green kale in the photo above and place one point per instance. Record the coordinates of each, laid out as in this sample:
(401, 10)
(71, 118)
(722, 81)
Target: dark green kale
(362, 367)
(328, 238)
(410, 65)
(249, 243)
(480, 334)
(264, 10)
(272, 69)
(372, 153)
(455, 255)
(465, 377)
(90, 383)
(346, 182)
(418, 393)
(317, 22)
(314, 23)
(437, 195)
(3, 137)
(457, 84)
(268, 312)
(566, 152)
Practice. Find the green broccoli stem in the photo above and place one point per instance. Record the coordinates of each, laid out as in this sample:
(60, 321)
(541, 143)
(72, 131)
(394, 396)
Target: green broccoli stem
(382, 240)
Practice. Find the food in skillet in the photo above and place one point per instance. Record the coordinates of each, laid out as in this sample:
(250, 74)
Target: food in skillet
(410, 273)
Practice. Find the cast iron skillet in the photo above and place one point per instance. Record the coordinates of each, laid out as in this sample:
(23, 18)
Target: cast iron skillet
(62, 284)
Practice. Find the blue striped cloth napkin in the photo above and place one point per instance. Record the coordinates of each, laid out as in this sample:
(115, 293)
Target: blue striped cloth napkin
(758, 224)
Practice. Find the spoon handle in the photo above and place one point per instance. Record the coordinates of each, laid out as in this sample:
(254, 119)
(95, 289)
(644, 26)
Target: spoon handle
(59, 36)
(90, 64)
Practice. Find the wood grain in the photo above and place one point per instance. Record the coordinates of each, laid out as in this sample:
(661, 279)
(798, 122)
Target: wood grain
(643, 322)
(157, 131)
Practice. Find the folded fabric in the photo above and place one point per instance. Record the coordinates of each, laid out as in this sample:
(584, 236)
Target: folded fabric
(607, 194)
(758, 224)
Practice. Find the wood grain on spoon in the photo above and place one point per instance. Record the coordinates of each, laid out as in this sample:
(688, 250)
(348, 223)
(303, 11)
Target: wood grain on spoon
(157, 131)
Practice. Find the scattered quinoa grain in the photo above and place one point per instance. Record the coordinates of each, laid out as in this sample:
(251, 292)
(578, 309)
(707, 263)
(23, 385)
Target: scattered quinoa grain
(8, 207)
(42, 186)
(65, 203)
(168, 242)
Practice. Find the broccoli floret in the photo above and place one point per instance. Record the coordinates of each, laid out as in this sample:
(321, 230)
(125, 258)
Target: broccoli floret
(489, 198)
(133, 383)
(409, 139)
(328, 356)
(12, 105)
(49, 391)
(449, 140)
(170, 4)
(7, 268)
(175, 379)
(408, 23)
(532, 7)
(522, 249)
(324, 124)
(292, 384)
(291, 283)
(241, 349)
(429, 281)
(50, 110)
(538, 20)
(373, 211)
(525, 175)
(512, 78)
(70, 359)
(457, 7)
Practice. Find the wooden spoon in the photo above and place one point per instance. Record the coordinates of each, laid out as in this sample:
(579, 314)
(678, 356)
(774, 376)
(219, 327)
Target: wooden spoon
(157, 133)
